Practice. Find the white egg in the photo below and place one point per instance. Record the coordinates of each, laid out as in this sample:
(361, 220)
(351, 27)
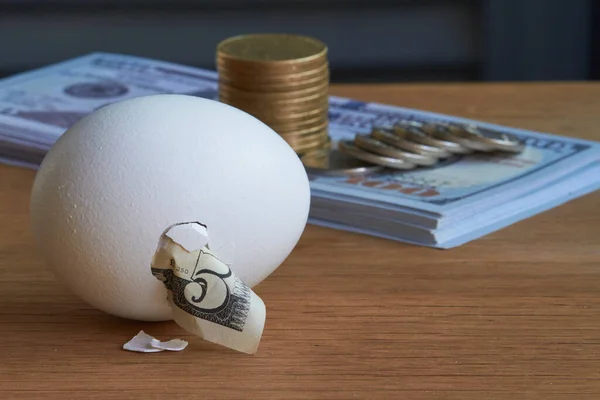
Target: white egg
(113, 182)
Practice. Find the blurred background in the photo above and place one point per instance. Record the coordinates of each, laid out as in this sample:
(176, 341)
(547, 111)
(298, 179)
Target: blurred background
(369, 41)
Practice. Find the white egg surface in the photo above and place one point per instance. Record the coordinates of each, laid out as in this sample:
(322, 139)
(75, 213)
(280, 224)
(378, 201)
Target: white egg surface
(119, 177)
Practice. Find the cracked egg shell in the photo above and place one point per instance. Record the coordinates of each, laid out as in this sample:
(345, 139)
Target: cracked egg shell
(117, 178)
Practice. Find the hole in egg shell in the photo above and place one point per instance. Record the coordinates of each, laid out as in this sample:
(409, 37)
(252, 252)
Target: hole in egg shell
(176, 252)
(191, 235)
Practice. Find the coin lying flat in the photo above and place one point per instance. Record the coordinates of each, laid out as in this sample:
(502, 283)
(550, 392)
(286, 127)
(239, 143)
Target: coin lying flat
(375, 146)
(277, 51)
(440, 131)
(443, 131)
(419, 136)
(461, 134)
(494, 140)
(349, 148)
(391, 138)
(332, 162)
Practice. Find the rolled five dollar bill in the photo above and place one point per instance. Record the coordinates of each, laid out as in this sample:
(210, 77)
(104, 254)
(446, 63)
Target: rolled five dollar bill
(206, 297)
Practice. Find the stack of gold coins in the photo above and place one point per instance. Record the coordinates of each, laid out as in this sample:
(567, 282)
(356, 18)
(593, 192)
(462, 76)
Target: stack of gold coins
(283, 80)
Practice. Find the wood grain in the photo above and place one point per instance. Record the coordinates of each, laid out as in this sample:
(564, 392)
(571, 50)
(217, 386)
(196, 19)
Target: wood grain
(514, 315)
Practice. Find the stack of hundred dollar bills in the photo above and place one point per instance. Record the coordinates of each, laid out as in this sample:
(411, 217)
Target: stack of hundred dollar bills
(452, 203)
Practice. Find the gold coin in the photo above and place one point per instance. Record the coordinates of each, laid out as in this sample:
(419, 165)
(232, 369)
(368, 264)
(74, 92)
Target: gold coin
(391, 138)
(418, 136)
(317, 97)
(298, 125)
(256, 86)
(309, 141)
(297, 102)
(332, 162)
(273, 50)
(275, 67)
(275, 117)
(270, 108)
(375, 146)
(319, 90)
(269, 78)
(316, 137)
(348, 147)
(269, 74)
(303, 148)
(259, 86)
(291, 122)
(306, 147)
(311, 130)
(277, 113)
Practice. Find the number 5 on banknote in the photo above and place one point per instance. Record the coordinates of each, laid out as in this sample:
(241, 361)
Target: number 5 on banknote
(206, 297)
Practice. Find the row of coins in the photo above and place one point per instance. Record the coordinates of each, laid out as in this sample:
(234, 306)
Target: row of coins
(411, 144)
(407, 145)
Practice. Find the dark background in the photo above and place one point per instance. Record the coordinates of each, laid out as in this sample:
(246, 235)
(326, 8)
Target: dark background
(369, 41)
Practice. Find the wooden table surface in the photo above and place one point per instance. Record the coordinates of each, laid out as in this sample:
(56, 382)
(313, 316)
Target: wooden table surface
(514, 315)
